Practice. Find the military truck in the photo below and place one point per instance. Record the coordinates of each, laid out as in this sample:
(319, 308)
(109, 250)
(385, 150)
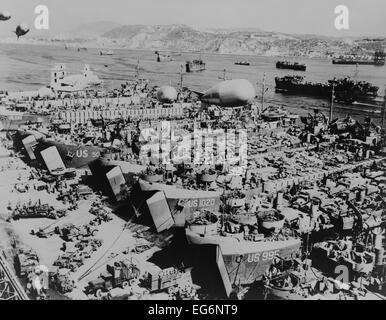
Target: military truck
(118, 274)
(61, 281)
(166, 279)
(71, 260)
(25, 262)
(36, 210)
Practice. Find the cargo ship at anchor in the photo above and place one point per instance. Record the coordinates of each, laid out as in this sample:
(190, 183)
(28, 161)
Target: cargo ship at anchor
(345, 90)
(377, 60)
(292, 66)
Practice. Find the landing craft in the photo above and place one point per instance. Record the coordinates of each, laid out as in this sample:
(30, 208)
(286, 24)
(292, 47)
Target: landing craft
(5, 15)
(21, 30)
(167, 94)
(229, 93)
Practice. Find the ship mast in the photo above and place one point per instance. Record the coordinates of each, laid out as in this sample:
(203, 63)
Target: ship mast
(262, 93)
(224, 76)
(332, 101)
(356, 72)
(137, 69)
(384, 109)
(181, 77)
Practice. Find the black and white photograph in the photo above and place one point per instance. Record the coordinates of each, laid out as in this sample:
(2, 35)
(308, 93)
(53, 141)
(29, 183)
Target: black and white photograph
(217, 150)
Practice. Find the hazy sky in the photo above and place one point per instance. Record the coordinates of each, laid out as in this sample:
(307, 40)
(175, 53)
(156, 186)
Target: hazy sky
(367, 17)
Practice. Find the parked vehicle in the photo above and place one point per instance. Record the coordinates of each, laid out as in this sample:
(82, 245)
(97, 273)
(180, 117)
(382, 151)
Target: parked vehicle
(70, 232)
(25, 262)
(119, 274)
(166, 279)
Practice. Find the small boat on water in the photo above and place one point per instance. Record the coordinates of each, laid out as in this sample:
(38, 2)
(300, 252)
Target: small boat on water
(195, 65)
(242, 63)
(162, 57)
(106, 53)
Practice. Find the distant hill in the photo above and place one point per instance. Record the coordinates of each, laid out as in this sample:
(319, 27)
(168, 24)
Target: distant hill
(164, 37)
(243, 41)
(233, 41)
(93, 29)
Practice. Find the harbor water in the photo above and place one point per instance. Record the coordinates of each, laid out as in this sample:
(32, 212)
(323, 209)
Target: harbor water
(27, 67)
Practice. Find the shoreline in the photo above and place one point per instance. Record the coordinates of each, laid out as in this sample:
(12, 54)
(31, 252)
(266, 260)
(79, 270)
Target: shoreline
(93, 45)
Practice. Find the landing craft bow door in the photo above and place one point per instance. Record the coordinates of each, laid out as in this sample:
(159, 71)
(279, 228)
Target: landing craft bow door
(29, 143)
(223, 272)
(53, 160)
(117, 183)
(160, 211)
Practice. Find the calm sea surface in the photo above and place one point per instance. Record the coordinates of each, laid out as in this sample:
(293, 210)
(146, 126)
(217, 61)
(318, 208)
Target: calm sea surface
(27, 67)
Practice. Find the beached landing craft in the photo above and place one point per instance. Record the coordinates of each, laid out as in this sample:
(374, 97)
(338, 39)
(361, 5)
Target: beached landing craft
(74, 155)
(246, 253)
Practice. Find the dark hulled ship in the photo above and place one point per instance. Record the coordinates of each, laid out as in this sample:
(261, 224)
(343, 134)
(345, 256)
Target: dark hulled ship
(242, 63)
(377, 60)
(292, 66)
(195, 65)
(345, 90)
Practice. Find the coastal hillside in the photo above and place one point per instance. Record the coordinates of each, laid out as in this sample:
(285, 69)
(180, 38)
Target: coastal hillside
(236, 41)
(245, 41)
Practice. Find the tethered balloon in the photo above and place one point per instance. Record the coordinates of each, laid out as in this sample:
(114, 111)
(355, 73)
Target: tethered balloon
(21, 30)
(167, 94)
(4, 15)
(230, 93)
